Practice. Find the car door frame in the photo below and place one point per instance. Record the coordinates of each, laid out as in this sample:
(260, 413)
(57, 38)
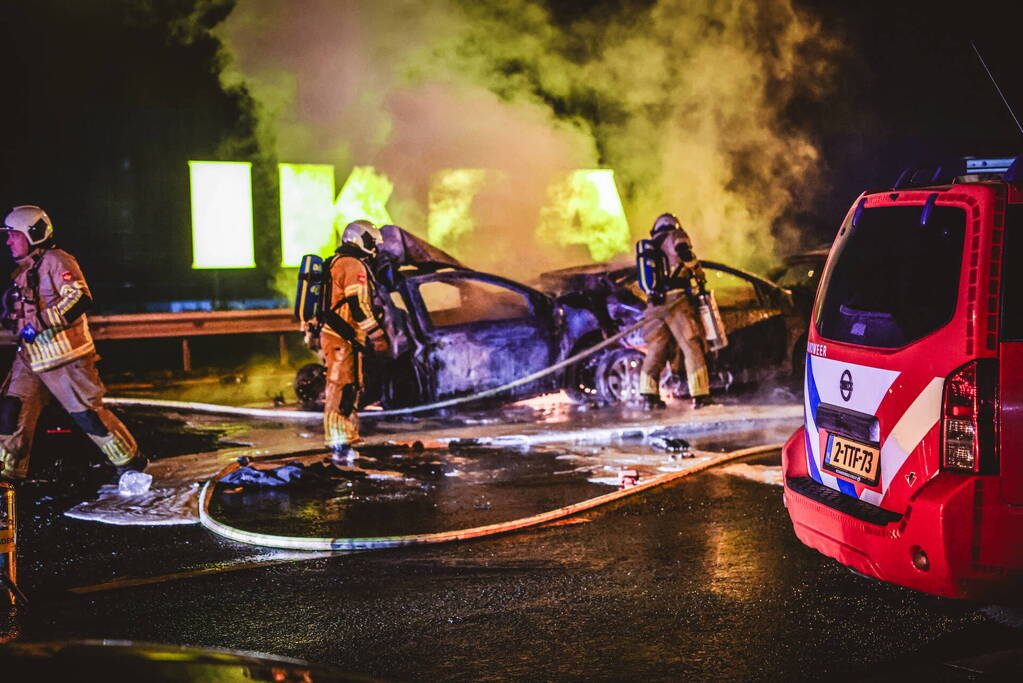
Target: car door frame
(542, 314)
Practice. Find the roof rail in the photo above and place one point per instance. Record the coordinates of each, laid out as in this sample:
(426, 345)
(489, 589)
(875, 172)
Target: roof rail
(966, 169)
(1015, 172)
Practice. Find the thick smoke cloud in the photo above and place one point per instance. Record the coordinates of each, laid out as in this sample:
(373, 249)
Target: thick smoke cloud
(685, 99)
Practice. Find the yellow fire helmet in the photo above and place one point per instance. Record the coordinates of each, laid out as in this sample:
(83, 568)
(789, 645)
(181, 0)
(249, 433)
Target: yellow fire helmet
(31, 221)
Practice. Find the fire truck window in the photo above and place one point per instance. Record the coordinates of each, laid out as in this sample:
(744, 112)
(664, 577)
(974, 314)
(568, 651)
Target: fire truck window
(1012, 275)
(892, 280)
(460, 302)
(731, 290)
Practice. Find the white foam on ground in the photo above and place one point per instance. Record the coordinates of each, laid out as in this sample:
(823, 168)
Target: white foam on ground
(685, 464)
(648, 467)
(174, 496)
(765, 474)
(156, 507)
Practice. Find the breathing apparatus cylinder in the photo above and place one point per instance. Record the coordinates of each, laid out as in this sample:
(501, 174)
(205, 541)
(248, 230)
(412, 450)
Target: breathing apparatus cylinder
(710, 318)
(8, 538)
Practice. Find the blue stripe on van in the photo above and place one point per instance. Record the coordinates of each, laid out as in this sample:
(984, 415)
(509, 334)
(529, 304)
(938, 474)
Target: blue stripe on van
(811, 419)
(846, 487)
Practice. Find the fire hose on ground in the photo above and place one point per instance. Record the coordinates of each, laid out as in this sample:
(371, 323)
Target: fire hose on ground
(309, 415)
(382, 542)
(369, 543)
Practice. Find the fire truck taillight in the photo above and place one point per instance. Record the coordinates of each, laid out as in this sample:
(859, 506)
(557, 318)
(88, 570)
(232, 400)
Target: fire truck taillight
(968, 435)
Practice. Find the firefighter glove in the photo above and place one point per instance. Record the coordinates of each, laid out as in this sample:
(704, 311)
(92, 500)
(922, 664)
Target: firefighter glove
(378, 341)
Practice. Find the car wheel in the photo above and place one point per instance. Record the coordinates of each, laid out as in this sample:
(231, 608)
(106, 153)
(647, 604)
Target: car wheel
(581, 379)
(310, 384)
(618, 375)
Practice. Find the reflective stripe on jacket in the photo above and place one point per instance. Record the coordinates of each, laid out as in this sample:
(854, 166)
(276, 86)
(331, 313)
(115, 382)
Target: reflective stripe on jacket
(55, 306)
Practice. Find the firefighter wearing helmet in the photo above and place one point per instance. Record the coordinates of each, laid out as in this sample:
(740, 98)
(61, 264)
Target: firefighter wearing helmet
(350, 330)
(677, 328)
(45, 308)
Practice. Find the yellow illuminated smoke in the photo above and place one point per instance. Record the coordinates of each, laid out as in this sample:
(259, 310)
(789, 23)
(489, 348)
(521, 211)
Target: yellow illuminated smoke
(364, 195)
(586, 210)
(685, 99)
(221, 214)
(311, 219)
(450, 205)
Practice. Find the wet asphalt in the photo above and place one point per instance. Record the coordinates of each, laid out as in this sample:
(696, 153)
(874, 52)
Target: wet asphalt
(703, 578)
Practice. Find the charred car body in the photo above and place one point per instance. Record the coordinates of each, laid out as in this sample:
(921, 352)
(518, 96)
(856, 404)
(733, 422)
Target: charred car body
(764, 329)
(455, 331)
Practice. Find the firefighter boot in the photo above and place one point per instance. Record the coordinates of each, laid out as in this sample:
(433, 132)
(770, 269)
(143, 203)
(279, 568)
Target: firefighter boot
(652, 402)
(703, 401)
(136, 464)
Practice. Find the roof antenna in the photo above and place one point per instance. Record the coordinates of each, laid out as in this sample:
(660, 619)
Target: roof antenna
(995, 83)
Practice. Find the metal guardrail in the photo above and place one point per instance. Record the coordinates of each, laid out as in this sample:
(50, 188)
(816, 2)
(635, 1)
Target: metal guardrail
(150, 325)
(185, 325)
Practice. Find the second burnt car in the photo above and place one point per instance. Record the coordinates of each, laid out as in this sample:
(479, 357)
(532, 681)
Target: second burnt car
(455, 331)
(766, 330)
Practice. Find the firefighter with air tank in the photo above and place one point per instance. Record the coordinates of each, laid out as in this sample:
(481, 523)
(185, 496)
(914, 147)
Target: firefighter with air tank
(349, 330)
(45, 307)
(673, 289)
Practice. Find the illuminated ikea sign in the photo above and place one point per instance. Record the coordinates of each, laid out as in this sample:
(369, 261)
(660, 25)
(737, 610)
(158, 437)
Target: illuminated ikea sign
(584, 208)
(221, 214)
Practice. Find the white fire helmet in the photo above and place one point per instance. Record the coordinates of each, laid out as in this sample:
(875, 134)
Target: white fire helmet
(31, 221)
(664, 223)
(363, 235)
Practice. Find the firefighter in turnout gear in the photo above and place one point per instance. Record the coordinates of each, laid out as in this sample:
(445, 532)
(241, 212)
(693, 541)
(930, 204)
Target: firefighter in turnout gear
(350, 329)
(678, 328)
(45, 308)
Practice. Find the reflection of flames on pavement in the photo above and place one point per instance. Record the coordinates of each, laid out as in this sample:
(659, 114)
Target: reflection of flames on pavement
(765, 474)
(549, 408)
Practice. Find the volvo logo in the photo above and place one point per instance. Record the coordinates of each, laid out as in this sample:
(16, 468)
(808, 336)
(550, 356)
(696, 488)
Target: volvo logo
(845, 385)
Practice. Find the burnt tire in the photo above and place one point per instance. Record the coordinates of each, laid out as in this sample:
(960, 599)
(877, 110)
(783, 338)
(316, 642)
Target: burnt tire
(310, 385)
(581, 379)
(618, 375)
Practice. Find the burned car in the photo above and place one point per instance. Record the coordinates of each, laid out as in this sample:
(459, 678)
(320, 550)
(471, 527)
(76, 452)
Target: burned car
(455, 331)
(766, 330)
(800, 273)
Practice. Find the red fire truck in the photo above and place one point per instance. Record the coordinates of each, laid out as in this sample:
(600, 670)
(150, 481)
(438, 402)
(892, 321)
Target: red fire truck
(909, 465)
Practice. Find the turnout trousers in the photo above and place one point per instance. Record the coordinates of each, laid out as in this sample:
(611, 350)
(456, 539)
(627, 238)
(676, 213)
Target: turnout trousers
(344, 386)
(78, 388)
(676, 326)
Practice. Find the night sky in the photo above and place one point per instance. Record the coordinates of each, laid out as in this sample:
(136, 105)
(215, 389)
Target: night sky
(104, 103)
